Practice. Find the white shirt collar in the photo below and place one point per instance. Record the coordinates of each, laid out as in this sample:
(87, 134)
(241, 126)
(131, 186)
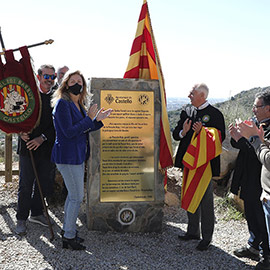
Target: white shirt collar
(45, 93)
(203, 106)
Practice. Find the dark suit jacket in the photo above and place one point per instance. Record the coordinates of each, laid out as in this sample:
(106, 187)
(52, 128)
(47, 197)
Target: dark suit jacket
(45, 127)
(247, 171)
(210, 117)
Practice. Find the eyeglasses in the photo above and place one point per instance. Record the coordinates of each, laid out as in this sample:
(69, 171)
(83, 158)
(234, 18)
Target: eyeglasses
(47, 76)
(257, 106)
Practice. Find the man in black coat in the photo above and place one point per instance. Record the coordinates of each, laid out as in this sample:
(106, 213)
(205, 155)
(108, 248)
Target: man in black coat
(201, 113)
(40, 141)
(246, 178)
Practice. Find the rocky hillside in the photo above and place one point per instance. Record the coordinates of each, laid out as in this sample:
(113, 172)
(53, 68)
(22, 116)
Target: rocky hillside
(239, 106)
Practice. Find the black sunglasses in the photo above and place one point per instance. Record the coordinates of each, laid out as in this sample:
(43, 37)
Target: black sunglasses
(46, 76)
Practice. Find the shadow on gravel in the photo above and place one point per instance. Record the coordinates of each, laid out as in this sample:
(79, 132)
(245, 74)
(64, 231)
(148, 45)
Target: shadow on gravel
(213, 258)
(115, 251)
(8, 221)
(133, 251)
(188, 257)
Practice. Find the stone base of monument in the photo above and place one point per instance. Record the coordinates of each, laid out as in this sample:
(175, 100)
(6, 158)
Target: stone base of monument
(126, 217)
(125, 190)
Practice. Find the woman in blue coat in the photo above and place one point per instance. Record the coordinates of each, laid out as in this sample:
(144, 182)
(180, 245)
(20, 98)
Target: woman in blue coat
(71, 148)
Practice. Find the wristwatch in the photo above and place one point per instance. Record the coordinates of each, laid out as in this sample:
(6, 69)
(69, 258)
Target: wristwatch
(43, 137)
(252, 139)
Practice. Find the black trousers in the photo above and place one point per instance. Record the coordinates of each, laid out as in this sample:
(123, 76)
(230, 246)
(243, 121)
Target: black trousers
(28, 194)
(256, 225)
(203, 220)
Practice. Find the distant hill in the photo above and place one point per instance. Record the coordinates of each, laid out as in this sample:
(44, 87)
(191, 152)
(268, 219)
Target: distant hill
(174, 103)
(238, 106)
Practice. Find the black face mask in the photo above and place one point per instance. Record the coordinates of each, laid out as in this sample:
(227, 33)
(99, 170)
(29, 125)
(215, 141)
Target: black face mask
(75, 89)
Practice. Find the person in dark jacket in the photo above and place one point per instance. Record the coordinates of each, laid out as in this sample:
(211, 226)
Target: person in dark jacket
(61, 71)
(71, 148)
(201, 113)
(247, 179)
(40, 141)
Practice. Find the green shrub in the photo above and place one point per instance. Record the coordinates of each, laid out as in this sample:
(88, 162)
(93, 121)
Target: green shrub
(227, 207)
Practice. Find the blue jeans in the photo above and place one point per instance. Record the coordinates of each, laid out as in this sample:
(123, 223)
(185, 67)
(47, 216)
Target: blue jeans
(74, 180)
(266, 209)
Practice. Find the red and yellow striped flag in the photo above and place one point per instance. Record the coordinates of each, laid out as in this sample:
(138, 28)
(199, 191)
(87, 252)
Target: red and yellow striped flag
(144, 64)
(197, 168)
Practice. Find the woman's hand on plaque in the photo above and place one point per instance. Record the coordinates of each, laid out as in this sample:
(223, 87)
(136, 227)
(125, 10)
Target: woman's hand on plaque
(101, 115)
(92, 112)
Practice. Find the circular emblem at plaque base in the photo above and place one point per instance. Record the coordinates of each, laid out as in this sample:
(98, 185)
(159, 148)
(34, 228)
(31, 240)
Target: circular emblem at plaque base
(126, 216)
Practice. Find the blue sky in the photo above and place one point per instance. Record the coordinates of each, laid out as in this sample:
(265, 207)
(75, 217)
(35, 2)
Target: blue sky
(223, 43)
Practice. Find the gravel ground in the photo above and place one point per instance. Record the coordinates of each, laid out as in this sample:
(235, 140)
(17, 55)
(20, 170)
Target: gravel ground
(111, 250)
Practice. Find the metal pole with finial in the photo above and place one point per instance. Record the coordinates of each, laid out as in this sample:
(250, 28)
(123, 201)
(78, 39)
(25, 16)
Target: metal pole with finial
(46, 42)
(1, 40)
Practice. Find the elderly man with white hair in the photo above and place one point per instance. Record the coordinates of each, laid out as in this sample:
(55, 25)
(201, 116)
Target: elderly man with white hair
(200, 130)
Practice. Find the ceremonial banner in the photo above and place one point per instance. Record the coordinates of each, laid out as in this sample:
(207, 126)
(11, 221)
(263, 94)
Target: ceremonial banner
(144, 64)
(197, 168)
(19, 95)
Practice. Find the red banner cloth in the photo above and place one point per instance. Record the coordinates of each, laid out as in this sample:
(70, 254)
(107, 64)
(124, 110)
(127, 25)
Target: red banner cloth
(19, 95)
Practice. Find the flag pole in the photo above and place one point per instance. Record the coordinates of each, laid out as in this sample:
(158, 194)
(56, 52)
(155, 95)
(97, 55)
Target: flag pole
(2, 42)
(163, 97)
(154, 45)
(46, 42)
(41, 195)
(31, 154)
(157, 55)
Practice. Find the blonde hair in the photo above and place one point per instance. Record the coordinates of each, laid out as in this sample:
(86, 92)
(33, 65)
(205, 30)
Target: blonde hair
(62, 90)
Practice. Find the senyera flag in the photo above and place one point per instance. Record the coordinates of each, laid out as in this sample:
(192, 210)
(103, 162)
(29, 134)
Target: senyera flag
(144, 63)
(197, 168)
(19, 95)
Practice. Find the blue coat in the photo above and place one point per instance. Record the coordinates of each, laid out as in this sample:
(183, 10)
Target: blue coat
(72, 131)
